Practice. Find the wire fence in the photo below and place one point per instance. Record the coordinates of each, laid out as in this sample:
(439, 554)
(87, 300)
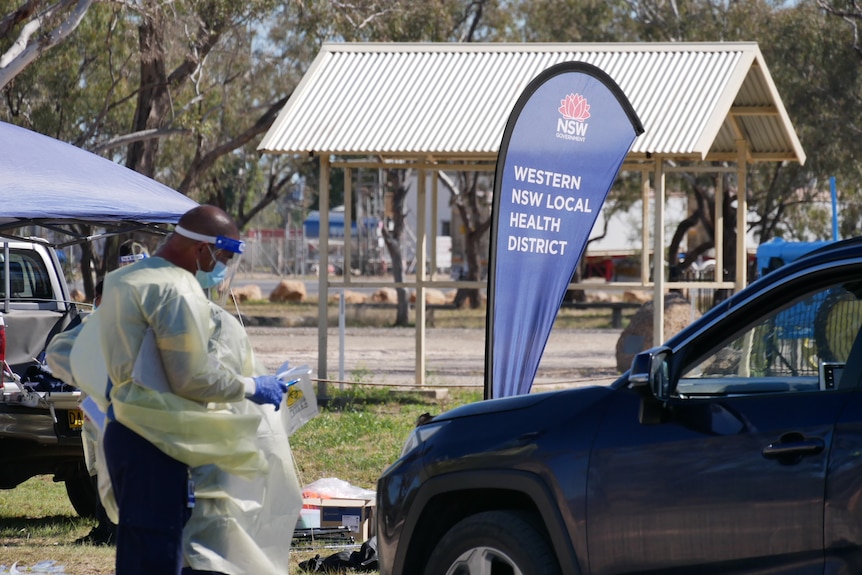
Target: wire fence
(282, 252)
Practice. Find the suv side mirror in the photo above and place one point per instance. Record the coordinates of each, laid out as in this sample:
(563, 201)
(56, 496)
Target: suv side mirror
(650, 368)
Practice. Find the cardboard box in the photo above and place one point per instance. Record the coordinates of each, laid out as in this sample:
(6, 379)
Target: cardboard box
(355, 514)
(308, 518)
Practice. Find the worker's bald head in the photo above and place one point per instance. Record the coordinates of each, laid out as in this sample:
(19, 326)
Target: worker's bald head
(209, 221)
(193, 253)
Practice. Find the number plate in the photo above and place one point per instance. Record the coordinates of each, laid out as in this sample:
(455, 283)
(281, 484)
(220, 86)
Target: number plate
(76, 419)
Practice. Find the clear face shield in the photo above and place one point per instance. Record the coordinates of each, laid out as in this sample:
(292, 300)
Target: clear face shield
(227, 262)
(227, 254)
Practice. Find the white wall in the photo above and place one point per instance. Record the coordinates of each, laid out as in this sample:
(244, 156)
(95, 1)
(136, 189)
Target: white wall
(624, 229)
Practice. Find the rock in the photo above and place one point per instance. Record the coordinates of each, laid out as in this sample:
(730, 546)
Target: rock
(637, 335)
(354, 297)
(349, 297)
(599, 297)
(432, 297)
(288, 290)
(385, 295)
(249, 292)
(637, 296)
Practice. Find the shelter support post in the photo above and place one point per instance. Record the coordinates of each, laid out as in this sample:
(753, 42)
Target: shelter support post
(421, 277)
(323, 279)
(741, 214)
(348, 225)
(719, 229)
(434, 220)
(645, 189)
(658, 254)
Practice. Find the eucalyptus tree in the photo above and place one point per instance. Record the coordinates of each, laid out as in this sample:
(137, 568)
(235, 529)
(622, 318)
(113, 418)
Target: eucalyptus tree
(145, 71)
(818, 76)
(179, 91)
(843, 129)
(811, 59)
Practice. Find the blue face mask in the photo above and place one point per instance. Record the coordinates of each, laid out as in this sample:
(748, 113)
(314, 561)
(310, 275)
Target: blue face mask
(212, 278)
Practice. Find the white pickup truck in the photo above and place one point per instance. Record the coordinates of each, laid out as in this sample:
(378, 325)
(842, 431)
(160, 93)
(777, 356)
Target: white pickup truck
(65, 191)
(40, 423)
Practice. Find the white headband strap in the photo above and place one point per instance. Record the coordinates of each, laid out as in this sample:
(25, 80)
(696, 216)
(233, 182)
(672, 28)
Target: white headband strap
(194, 235)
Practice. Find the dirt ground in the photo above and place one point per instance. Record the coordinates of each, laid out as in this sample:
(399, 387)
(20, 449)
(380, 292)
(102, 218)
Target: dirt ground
(454, 357)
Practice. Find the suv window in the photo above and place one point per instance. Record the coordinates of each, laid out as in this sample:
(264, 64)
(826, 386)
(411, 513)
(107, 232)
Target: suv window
(801, 347)
(28, 277)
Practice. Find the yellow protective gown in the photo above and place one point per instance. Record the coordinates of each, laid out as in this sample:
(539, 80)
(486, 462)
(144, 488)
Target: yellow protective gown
(239, 525)
(86, 370)
(58, 357)
(165, 402)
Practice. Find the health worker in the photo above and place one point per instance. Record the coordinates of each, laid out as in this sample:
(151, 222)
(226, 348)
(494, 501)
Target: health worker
(244, 525)
(155, 326)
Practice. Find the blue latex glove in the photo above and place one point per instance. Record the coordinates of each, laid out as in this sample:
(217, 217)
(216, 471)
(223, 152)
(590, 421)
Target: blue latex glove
(268, 389)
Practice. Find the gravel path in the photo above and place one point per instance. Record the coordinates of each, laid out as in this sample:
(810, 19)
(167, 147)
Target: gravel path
(454, 357)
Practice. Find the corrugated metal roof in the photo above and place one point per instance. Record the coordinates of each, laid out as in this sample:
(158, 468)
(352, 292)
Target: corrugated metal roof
(452, 101)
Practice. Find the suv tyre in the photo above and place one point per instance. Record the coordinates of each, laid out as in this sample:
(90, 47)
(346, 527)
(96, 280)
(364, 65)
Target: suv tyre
(83, 493)
(493, 542)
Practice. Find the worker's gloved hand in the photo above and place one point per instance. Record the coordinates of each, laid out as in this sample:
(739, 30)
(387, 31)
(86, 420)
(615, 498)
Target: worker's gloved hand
(268, 389)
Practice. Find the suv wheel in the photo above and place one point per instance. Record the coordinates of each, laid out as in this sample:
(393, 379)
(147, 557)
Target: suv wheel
(491, 543)
(83, 493)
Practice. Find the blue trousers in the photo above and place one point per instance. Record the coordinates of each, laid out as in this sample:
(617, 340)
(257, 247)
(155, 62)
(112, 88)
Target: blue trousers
(152, 495)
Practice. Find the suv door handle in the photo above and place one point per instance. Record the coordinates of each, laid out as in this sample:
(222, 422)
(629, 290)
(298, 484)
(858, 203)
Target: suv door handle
(801, 448)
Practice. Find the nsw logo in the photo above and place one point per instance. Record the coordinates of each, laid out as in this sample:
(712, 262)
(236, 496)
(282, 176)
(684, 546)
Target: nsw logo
(575, 111)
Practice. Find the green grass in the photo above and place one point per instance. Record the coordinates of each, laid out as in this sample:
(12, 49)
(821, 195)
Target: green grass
(354, 438)
(361, 433)
(37, 523)
(305, 314)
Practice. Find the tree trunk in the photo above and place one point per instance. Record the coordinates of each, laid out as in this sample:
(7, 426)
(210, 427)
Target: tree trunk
(394, 248)
(393, 230)
(87, 256)
(574, 295)
(474, 264)
(467, 201)
(153, 95)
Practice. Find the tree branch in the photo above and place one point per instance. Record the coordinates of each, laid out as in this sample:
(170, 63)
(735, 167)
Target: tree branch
(206, 161)
(23, 53)
(140, 136)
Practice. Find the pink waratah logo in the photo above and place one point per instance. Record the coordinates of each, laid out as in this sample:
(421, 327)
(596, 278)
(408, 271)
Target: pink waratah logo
(575, 107)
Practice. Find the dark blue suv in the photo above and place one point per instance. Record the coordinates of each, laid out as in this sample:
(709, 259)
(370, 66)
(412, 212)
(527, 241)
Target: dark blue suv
(736, 447)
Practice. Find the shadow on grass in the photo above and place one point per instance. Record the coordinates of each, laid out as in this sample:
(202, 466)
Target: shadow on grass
(26, 528)
(359, 397)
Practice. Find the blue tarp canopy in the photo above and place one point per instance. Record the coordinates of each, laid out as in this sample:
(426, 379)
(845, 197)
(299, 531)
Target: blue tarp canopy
(46, 182)
(311, 225)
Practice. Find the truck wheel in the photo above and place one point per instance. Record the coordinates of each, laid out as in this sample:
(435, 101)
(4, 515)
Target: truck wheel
(83, 494)
(491, 543)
